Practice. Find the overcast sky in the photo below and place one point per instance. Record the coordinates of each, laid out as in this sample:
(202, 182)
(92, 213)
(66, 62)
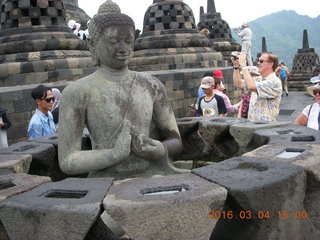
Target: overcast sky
(232, 11)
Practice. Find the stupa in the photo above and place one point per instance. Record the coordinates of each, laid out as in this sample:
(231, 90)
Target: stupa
(170, 40)
(302, 67)
(36, 47)
(220, 33)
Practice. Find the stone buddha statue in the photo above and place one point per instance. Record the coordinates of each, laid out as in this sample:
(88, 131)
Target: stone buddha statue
(128, 115)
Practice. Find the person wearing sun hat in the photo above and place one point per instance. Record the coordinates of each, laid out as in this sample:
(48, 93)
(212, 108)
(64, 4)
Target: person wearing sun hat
(310, 115)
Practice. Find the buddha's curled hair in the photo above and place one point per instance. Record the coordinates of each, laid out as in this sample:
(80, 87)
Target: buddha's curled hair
(100, 22)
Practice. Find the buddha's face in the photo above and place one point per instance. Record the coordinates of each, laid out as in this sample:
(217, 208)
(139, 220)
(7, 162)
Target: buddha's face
(115, 47)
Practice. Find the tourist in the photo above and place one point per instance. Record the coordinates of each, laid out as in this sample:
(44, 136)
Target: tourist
(205, 32)
(246, 94)
(128, 115)
(211, 105)
(246, 37)
(4, 125)
(41, 123)
(55, 108)
(310, 115)
(265, 90)
(218, 89)
(283, 73)
(74, 26)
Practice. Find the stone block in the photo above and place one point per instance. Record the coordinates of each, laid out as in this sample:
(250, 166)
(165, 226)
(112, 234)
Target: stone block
(24, 4)
(165, 207)
(54, 138)
(18, 183)
(243, 132)
(34, 12)
(17, 163)
(193, 143)
(42, 3)
(305, 155)
(61, 210)
(220, 144)
(264, 200)
(44, 160)
(44, 20)
(286, 134)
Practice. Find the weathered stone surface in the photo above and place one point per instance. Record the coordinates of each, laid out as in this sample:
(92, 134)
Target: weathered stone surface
(43, 156)
(302, 154)
(286, 134)
(257, 189)
(165, 216)
(54, 138)
(220, 144)
(243, 132)
(60, 210)
(17, 163)
(18, 183)
(193, 143)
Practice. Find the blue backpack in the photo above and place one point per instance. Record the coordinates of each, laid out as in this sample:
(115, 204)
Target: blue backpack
(283, 73)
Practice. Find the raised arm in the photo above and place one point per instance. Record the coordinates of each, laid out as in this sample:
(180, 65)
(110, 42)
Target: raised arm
(237, 81)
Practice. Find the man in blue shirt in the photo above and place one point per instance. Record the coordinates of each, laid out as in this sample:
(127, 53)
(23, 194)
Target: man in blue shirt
(41, 123)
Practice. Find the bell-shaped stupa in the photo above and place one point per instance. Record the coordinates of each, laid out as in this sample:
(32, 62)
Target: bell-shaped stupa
(220, 33)
(36, 46)
(170, 40)
(302, 66)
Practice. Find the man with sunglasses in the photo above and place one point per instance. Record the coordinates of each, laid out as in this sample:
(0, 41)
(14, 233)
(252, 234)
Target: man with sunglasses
(265, 90)
(41, 123)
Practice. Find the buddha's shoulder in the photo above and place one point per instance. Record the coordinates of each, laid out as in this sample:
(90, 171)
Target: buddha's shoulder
(146, 78)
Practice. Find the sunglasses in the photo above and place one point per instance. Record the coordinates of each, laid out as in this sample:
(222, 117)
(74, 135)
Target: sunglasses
(315, 92)
(262, 61)
(48, 99)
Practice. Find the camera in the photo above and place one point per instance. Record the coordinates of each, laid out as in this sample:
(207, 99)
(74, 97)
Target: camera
(235, 55)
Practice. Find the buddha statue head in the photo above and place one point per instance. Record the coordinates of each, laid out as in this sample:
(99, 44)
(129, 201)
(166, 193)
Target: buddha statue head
(111, 37)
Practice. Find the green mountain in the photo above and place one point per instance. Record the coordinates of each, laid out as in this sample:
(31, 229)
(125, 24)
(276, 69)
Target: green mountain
(284, 34)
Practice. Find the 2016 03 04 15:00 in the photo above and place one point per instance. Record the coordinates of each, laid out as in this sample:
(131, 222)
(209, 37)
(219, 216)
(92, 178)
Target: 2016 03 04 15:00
(247, 215)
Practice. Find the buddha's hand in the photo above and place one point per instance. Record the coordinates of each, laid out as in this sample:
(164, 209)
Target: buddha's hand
(147, 148)
(123, 144)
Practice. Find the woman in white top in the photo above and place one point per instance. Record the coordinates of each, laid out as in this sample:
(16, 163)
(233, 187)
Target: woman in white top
(310, 116)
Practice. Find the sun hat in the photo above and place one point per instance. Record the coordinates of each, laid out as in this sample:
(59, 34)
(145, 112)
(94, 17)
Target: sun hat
(244, 24)
(207, 82)
(315, 79)
(218, 73)
(314, 87)
(71, 23)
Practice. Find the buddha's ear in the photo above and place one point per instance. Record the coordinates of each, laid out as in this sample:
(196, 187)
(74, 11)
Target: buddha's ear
(92, 50)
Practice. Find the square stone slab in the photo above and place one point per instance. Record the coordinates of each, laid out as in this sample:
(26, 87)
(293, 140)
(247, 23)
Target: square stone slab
(18, 183)
(17, 163)
(263, 198)
(60, 210)
(243, 132)
(170, 207)
(302, 154)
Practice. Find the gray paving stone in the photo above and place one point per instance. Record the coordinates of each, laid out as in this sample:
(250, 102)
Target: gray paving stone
(18, 183)
(286, 134)
(243, 132)
(302, 154)
(17, 163)
(61, 210)
(257, 188)
(137, 206)
(220, 144)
